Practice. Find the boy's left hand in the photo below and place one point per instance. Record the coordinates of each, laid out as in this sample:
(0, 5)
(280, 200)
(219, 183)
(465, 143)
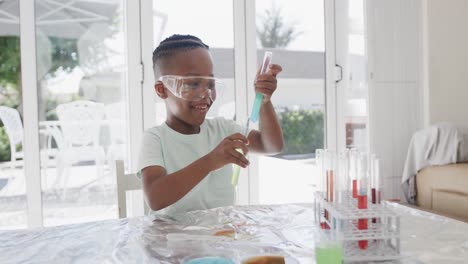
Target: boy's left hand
(266, 83)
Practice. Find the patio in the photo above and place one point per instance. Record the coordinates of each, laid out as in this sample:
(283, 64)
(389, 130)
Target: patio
(84, 198)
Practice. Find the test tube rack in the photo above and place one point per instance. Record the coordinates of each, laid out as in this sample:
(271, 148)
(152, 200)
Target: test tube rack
(383, 236)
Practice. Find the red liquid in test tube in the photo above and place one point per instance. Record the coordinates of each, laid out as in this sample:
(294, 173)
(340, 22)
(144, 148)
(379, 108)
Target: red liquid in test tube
(362, 201)
(324, 225)
(329, 190)
(355, 189)
(326, 195)
(376, 183)
(353, 167)
(374, 201)
(330, 185)
(362, 223)
(362, 197)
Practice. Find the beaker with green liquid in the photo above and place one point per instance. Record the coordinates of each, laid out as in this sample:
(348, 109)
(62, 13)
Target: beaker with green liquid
(328, 247)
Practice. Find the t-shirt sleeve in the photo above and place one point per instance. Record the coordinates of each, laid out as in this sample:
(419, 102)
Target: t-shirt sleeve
(151, 153)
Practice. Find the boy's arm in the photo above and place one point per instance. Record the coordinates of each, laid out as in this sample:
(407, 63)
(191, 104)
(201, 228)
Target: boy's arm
(269, 139)
(162, 190)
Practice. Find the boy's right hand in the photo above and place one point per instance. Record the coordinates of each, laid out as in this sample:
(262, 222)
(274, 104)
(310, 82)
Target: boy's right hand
(226, 152)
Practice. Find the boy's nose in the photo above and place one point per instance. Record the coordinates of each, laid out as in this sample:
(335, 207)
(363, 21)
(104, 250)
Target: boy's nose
(205, 94)
(205, 97)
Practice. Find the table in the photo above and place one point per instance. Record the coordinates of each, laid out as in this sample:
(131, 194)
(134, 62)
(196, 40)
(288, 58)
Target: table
(262, 229)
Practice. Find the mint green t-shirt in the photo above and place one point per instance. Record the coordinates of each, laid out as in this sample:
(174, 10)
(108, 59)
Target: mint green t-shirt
(163, 146)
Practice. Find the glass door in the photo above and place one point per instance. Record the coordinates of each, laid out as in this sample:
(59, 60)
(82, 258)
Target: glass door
(352, 90)
(82, 73)
(64, 108)
(13, 204)
(295, 32)
(82, 107)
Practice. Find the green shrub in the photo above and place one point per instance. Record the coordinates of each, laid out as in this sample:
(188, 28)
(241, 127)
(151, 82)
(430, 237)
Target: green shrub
(4, 146)
(303, 130)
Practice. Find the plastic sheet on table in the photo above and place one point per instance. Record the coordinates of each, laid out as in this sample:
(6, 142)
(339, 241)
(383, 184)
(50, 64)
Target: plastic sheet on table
(286, 230)
(250, 232)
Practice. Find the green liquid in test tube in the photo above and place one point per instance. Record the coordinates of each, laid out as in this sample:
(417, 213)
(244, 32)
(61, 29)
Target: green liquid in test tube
(255, 113)
(235, 172)
(235, 167)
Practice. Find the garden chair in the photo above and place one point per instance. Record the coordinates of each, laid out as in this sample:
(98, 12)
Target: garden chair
(80, 122)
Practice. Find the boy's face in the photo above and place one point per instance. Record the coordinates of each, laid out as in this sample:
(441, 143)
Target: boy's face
(183, 114)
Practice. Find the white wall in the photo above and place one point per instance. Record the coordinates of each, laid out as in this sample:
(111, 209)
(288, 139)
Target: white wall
(447, 40)
(395, 89)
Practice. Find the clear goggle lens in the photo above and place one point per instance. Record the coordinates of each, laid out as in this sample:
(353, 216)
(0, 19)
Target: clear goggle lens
(193, 88)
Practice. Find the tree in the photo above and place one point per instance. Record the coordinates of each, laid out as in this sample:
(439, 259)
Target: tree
(10, 71)
(274, 31)
(302, 130)
(63, 54)
(10, 58)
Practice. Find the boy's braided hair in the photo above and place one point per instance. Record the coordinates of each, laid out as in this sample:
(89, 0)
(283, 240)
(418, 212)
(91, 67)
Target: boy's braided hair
(174, 44)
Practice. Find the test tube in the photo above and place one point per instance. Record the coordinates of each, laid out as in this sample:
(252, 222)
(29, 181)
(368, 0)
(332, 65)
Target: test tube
(333, 184)
(258, 96)
(353, 167)
(378, 182)
(362, 195)
(372, 176)
(333, 179)
(347, 168)
(342, 178)
(330, 170)
(254, 115)
(326, 156)
(320, 162)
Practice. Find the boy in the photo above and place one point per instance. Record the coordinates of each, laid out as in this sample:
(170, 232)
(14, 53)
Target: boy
(186, 162)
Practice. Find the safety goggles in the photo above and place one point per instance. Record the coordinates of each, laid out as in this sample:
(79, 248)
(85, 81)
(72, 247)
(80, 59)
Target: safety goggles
(193, 88)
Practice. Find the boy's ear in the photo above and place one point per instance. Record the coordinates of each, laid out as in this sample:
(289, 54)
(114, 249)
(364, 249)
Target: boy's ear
(160, 90)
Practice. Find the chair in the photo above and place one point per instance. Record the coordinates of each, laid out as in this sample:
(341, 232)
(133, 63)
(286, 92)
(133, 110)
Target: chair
(115, 115)
(80, 122)
(14, 129)
(129, 190)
